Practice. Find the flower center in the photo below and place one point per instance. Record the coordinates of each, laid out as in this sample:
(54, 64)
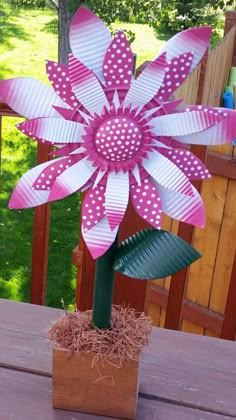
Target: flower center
(118, 138)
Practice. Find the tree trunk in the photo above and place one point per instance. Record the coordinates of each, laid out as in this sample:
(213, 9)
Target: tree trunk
(64, 19)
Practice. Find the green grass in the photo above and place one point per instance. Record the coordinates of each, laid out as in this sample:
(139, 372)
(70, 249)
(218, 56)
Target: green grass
(27, 39)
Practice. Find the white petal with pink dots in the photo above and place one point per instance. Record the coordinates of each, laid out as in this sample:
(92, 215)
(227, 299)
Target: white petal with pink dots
(58, 75)
(53, 130)
(166, 173)
(145, 87)
(189, 209)
(147, 202)
(183, 123)
(86, 87)
(118, 63)
(93, 207)
(72, 179)
(89, 39)
(99, 238)
(117, 196)
(30, 97)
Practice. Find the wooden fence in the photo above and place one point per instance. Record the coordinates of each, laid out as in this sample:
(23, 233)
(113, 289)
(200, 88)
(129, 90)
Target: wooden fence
(195, 299)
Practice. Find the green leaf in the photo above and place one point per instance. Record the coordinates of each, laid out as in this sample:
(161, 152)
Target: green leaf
(152, 254)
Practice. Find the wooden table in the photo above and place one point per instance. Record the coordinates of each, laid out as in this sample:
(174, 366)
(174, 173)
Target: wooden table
(183, 376)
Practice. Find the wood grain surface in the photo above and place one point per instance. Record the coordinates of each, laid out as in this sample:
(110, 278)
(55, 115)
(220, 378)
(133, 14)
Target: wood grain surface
(183, 376)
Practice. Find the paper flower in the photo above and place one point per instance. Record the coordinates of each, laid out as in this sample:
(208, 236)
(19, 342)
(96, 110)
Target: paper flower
(117, 137)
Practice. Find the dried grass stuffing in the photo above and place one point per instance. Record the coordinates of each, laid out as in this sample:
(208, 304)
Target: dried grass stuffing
(129, 333)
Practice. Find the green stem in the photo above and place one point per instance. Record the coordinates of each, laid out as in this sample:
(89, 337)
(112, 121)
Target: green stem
(104, 287)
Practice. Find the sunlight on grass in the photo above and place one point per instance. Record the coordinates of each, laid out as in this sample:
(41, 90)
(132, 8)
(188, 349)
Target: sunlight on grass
(27, 39)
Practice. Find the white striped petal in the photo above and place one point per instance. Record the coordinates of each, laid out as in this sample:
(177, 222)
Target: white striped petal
(72, 179)
(99, 176)
(188, 209)
(89, 40)
(86, 87)
(136, 174)
(99, 238)
(30, 98)
(223, 132)
(116, 197)
(194, 39)
(55, 130)
(183, 123)
(147, 84)
(167, 173)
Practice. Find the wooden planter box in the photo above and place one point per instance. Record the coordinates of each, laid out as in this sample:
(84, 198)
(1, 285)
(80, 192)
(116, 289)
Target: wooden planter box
(101, 389)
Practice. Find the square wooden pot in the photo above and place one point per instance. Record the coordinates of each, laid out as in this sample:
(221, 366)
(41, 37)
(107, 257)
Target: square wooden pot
(102, 389)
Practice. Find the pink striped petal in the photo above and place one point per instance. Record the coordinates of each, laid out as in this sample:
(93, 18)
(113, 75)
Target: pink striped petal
(58, 74)
(223, 132)
(54, 130)
(194, 39)
(99, 238)
(89, 39)
(147, 202)
(118, 63)
(184, 123)
(86, 87)
(24, 195)
(117, 196)
(191, 166)
(189, 209)
(49, 174)
(146, 86)
(163, 171)
(93, 207)
(72, 179)
(177, 71)
(30, 97)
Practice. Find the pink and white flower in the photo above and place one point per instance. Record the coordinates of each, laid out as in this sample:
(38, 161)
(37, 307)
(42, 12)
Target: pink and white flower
(117, 137)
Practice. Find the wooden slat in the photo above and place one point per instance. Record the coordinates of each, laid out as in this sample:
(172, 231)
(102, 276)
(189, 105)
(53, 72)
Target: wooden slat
(32, 400)
(162, 409)
(229, 324)
(221, 164)
(40, 240)
(178, 284)
(175, 367)
(218, 69)
(191, 311)
(7, 111)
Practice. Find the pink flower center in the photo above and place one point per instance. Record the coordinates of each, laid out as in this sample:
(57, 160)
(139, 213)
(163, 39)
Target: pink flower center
(118, 138)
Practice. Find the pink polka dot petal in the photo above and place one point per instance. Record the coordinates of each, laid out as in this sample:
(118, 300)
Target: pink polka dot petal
(188, 163)
(147, 202)
(58, 75)
(118, 63)
(93, 208)
(48, 176)
(176, 72)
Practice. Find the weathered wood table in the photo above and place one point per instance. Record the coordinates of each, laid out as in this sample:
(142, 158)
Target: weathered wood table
(183, 376)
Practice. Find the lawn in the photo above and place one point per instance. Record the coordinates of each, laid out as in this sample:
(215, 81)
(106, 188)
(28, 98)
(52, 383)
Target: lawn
(26, 40)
